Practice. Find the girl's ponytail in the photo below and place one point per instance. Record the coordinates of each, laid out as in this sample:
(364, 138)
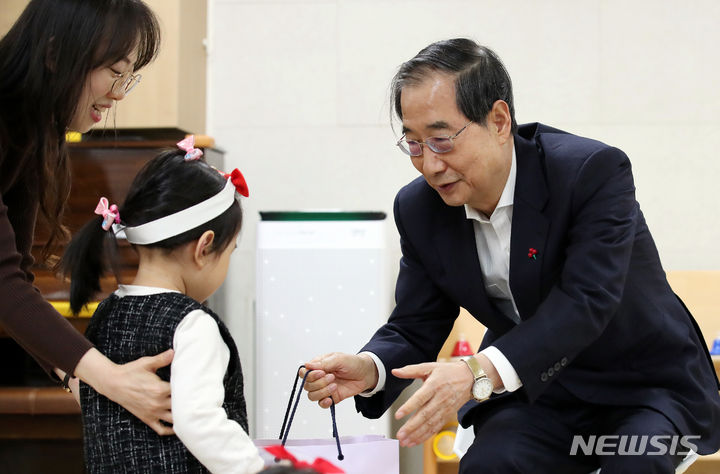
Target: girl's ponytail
(86, 260)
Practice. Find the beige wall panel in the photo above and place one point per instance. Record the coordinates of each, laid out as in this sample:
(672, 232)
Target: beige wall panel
(154, 103)
(191, 75)
(10, 11)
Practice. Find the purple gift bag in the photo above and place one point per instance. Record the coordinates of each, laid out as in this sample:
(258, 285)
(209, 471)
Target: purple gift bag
(369, 454)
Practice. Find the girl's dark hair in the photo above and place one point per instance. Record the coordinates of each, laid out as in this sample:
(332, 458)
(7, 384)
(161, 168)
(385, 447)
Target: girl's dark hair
(166, 184)
(480, 77)
(45, 60)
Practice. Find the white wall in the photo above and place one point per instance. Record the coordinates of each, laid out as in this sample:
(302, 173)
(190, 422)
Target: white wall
(298, 96)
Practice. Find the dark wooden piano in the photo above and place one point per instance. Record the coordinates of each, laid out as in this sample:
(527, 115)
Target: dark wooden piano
(40, 428)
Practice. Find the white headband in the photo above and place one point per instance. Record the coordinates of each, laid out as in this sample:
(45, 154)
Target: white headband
(181, 221)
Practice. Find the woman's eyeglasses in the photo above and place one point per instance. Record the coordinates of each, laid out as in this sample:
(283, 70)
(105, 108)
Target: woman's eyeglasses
(436, 144)
(125, 83)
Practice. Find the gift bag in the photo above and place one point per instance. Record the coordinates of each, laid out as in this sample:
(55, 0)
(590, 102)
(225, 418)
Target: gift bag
(369, 454)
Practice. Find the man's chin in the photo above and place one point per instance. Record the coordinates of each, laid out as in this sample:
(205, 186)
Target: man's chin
(453, 201)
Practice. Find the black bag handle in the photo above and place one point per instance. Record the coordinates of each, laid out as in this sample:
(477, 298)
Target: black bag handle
(287, 422)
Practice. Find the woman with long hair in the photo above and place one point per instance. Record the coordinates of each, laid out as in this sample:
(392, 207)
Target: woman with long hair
(62, 65)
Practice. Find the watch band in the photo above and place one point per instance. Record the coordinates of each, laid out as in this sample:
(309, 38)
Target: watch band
(474, 367)
(482, 386)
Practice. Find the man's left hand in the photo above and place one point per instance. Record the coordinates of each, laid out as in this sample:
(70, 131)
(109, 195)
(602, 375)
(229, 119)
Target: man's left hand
(446, 387)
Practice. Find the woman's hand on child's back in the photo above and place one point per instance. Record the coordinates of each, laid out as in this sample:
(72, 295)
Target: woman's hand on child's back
(144, 394)
(135, 386)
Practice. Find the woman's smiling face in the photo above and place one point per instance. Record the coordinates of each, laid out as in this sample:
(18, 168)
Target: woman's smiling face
(99, 95)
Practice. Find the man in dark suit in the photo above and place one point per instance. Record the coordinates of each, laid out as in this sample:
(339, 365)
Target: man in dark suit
(537, 233)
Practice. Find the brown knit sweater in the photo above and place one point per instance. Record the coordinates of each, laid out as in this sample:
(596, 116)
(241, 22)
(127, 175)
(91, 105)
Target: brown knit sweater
(24, 314)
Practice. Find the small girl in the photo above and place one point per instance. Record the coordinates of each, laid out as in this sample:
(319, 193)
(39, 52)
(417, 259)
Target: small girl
(183, 219)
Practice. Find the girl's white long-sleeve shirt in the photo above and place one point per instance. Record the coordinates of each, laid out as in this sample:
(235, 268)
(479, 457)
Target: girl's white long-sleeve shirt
(197, 393)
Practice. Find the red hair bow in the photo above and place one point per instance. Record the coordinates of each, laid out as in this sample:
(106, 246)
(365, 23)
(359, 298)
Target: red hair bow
(238, 180)
(320, 465)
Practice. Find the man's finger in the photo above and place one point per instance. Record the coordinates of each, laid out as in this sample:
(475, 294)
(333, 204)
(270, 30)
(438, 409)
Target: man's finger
(411, 437)
(323, 393)
(420, 426)
(315, 359)
(320, 383)
(419, 398)
(417, 371)
(325, 402)
(328, 363)
(314, 376)
(317, 363)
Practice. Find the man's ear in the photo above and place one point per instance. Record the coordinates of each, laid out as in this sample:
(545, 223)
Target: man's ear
(203, 248)
(500, 120)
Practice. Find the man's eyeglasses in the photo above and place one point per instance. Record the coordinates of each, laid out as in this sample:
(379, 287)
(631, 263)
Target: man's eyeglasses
(125, 83)
(436, 144)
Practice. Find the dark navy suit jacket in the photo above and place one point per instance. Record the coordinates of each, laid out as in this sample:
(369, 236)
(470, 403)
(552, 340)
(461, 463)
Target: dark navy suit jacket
(597, 313)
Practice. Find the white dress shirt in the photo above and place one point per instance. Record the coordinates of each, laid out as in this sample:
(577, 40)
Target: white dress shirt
(492, 238)
(197, 393)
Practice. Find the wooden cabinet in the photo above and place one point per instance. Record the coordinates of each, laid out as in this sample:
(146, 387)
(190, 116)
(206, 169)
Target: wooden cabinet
(172, 92)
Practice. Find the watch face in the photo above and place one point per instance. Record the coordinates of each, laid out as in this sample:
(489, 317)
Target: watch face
(482, 389)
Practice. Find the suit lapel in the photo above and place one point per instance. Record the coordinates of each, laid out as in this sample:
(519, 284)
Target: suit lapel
(455, 241)
(529, 228)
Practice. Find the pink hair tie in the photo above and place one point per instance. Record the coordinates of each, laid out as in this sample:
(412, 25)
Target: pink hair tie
(188, 145)
(109, 213)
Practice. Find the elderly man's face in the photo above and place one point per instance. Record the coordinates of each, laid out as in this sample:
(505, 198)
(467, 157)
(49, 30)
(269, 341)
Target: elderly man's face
(474, 172)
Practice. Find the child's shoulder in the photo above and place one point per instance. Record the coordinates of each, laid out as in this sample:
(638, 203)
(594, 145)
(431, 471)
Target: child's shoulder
(106, 305)
(186, 303)
(165, 303)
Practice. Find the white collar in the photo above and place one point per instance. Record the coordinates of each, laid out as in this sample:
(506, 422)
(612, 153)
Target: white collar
(139, 290)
